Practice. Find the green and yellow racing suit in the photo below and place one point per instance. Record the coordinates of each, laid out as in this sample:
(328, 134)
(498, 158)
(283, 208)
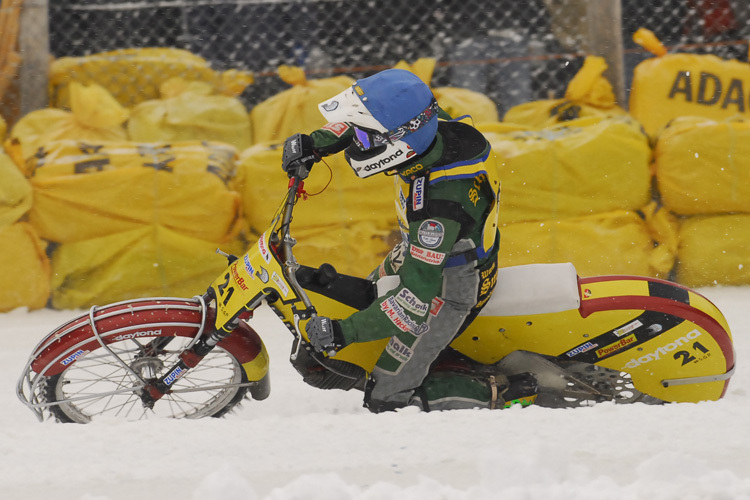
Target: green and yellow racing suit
(446, 200)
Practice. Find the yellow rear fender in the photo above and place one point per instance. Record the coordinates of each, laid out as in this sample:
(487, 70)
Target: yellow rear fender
(674, 343)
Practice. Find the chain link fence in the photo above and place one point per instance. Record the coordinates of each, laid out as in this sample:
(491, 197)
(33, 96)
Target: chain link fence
(511, 51)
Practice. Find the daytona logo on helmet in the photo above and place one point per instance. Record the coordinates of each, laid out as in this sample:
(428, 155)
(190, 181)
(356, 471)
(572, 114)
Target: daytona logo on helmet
(383, 161)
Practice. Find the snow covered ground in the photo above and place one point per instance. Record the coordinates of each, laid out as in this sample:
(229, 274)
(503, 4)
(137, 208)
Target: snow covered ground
(308, 444)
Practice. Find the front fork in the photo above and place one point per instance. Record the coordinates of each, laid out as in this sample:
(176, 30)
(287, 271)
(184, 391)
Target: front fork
(154, 390)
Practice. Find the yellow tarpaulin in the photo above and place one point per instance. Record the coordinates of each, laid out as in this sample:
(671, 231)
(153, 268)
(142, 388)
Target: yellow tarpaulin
(703, 166)
(586, 166)
(24, 268)
(345, 198)
(150, 261)
(616, 242)
(665, 88)
(295, 109)
(455, 101)
(135, 75)
(345, 225)
(190, 115)
(95, 116)
(354, 249)
(588, 94)
(714, 250)
(87, 190)
(15, 192)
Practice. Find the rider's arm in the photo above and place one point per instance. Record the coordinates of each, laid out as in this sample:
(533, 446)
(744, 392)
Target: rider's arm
(332, 138)
(406, 307)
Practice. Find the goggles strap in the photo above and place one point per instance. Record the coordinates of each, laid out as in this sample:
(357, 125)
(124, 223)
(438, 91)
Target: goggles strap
(398, 133)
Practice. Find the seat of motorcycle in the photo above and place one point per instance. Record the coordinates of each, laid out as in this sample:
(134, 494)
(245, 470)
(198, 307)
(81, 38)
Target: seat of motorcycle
(522, 290)
(534, 289)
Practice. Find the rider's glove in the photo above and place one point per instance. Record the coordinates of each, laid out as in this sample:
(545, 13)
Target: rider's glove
(299, 155)
(324, 334)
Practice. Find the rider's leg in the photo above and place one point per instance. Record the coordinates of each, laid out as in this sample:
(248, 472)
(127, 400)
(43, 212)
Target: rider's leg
(407, 358)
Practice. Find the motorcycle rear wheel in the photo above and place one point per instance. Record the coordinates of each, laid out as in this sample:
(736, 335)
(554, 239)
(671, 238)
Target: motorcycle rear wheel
(99, 385)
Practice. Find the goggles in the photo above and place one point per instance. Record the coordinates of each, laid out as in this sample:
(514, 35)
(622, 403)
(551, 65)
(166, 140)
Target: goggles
(366, 138)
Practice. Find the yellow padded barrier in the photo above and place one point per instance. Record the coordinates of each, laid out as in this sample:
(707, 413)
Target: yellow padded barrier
(87, 190)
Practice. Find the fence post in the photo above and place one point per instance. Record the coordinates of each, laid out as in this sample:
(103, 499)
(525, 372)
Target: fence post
(33, 45)
(605, 40)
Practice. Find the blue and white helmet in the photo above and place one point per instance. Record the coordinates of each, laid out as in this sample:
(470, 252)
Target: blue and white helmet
(394, 116)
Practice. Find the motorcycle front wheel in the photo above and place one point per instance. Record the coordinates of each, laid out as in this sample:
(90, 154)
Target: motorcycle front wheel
(101, 385)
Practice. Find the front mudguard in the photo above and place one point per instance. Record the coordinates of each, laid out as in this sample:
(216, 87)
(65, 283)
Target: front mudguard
(151, 317)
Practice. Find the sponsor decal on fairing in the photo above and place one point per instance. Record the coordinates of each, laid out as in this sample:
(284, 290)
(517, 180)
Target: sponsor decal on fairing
(663, 350)
(627, 328)
(249, 267)
(581, 349)
(280, 283)
(616, 346)
(237, 278)
(262, 274)
(263, 247)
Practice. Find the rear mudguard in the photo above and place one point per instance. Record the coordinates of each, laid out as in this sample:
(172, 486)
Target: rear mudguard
(152, 317)
(674, 343)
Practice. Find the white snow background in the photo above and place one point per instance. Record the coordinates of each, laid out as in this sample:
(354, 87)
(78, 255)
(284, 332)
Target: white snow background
(309, 444)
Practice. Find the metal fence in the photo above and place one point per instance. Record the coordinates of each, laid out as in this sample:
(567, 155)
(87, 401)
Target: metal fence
(513, 51)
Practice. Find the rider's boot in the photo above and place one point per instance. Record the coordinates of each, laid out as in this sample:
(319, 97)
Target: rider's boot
(520, 388)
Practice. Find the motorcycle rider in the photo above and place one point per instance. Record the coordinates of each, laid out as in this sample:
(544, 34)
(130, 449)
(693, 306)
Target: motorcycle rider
(447, 191)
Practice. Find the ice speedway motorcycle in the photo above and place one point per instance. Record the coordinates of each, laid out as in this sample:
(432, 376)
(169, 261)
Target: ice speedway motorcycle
(625, 339)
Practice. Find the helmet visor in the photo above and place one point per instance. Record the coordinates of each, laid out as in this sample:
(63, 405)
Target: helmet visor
(366, 139)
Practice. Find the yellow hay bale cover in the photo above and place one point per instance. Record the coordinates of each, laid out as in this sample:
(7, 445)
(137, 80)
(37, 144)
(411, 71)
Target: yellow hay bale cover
(455, 101)
(95, 116)
(586, 166)
(88, 190)
(345, 225)
(134, 75)
(677, 85)
(347, 199)
(703, 166)
(355, 249)
(548, 112)
(193, 114)
(459, 102)
(15, 192)
(295, 109)
(616, 242)
(588, 94)
(24, 268)
(148, 261)
(714, 250)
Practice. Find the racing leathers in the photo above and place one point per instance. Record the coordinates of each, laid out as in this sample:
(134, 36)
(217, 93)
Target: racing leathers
(446, 200)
